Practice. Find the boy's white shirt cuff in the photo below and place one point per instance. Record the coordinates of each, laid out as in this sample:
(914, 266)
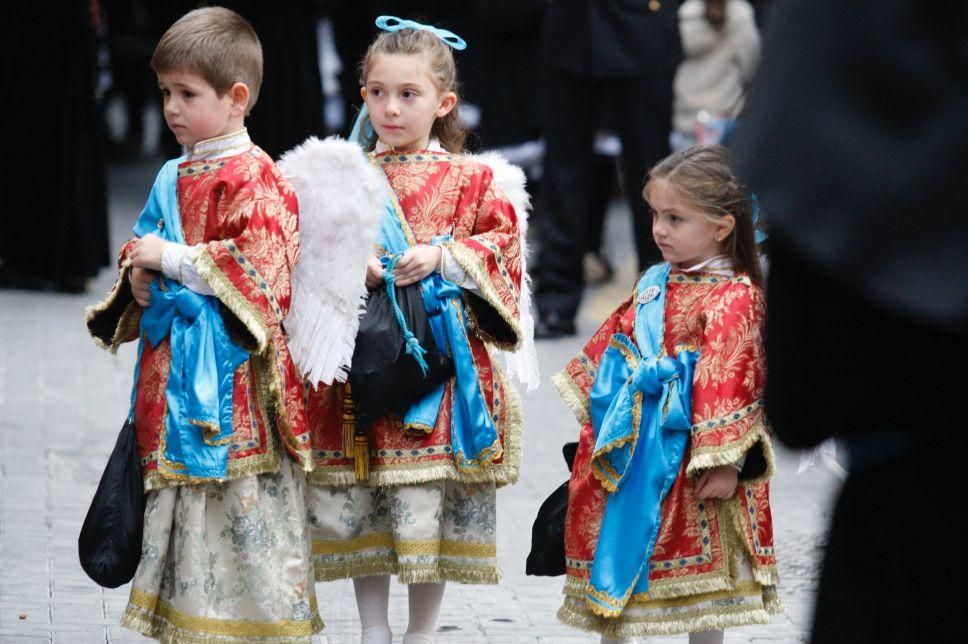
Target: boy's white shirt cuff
(178, 263)
(452, 271)
(738, 465)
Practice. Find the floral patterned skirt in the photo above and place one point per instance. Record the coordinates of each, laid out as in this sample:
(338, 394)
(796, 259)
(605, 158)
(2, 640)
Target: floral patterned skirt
(227, 562)
(747, 602)
(431, 532)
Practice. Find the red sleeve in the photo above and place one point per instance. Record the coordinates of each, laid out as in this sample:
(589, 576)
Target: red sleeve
(250, 270)
(491, 256)
(728, 419)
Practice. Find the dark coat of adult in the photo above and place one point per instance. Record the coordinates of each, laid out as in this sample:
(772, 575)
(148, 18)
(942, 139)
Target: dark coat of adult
(607, 39)
(856, 141)
(55, 232)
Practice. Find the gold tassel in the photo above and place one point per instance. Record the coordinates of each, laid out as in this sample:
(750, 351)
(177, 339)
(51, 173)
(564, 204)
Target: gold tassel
(355, 441)
(349, 421)
(361, 457)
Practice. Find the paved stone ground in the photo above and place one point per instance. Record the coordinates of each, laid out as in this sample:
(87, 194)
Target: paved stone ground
(62, 401)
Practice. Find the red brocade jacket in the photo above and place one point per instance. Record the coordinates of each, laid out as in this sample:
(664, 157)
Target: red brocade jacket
(700, 542)
(245, 215)
(443, 194)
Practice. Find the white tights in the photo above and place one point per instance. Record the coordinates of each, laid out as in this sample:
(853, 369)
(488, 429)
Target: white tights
(704, 637)
(373, 599)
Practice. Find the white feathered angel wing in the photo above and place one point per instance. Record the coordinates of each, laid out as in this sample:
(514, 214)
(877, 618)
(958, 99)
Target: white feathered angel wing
(340, 197)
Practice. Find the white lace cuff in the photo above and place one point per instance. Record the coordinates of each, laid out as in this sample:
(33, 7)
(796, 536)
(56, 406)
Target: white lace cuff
(454, 272)
(178, 263)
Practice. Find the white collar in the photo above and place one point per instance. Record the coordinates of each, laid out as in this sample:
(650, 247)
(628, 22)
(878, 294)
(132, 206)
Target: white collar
(433, 146)
(221, 146)
(718, 264)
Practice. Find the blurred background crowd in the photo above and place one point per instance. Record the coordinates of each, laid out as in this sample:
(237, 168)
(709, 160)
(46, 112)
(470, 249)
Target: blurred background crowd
(585, 96)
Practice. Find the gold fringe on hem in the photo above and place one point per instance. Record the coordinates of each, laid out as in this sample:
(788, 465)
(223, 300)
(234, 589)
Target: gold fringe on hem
(226, 292)
(472, 265)
(263, 464)
(661, 589)
(409, 573)
(766, 576)
(157, 627)
(367, 568)
(617, 627)
(705, 458)
(504, 473)
(572, 396)
(383, 476)
(771, 601)
(688, 588)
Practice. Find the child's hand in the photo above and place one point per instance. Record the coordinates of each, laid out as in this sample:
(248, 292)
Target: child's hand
(141, 280)
(147, 252)
(417, 263)
(717, 483)
(374, 272)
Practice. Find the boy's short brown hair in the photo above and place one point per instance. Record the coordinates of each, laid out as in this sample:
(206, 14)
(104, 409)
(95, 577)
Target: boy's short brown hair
(217, 44)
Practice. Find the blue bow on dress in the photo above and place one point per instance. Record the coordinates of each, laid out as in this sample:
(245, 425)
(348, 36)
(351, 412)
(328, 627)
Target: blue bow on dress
(198, 395)
(641, 407)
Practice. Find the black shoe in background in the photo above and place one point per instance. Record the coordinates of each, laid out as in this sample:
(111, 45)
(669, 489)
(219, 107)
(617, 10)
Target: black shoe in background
(597, 269)
(552, 325)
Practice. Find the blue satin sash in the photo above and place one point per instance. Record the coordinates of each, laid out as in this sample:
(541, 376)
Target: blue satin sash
(474, 437)
(198, 422)
(641, 405)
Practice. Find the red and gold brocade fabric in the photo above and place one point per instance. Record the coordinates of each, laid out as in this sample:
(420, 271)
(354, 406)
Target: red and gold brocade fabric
(245, 216)
(442, 194)
(698, 540)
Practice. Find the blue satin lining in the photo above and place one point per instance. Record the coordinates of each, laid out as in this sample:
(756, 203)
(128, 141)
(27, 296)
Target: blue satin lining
(474, 437)
(198, 396)
(641, 412)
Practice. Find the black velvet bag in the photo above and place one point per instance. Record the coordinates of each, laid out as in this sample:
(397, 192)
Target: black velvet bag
(383, 377)
(547, 556)
(109, 545)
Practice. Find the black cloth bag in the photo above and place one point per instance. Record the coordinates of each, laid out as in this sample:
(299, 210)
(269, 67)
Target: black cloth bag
(547, 556)
(109, 545)
(383, 378)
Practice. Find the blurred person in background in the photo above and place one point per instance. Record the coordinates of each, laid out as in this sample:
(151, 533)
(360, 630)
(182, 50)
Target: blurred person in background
(722, 48)
(55, 233)
(591, 50)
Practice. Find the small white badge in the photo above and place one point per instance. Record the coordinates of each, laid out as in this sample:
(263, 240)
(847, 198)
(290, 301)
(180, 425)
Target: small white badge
(649, 294)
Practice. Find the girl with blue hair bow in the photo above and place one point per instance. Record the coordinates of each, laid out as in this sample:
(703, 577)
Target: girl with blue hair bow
(414, 494)
(669, 527)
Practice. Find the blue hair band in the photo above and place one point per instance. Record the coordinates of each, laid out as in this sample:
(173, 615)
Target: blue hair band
(757, 231)
(392, 23)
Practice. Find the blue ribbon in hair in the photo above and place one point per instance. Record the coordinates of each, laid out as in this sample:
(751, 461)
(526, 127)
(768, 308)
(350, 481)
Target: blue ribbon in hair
(641, 406)
(392, 23)
(758, 232)
(198, 395)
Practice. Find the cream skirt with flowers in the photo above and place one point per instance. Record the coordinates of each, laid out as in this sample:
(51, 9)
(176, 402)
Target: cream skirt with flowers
(227, 562)
(430, 532)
